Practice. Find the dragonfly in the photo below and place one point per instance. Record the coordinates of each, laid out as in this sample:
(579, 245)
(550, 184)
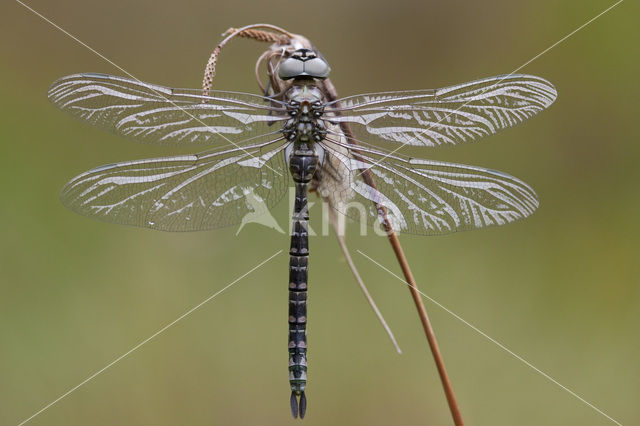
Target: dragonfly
(258, 145)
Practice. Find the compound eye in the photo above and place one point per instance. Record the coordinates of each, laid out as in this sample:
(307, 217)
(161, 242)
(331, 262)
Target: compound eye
(317, 68)
(290, 68)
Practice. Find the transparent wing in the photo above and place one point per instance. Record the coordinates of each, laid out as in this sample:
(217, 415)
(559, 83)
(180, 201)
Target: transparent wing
(447, 116)
(183, 193)
(165, 116)
(421, 196)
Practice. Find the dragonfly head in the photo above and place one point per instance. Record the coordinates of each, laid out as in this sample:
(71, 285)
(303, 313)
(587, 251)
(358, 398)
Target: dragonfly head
(303, 63)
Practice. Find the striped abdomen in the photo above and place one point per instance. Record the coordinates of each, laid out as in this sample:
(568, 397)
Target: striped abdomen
(302, 165)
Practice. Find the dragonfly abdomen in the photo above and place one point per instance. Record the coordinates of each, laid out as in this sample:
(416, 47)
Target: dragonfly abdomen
(302, 164)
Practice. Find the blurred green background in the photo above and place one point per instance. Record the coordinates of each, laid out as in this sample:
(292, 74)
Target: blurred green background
(560, 289)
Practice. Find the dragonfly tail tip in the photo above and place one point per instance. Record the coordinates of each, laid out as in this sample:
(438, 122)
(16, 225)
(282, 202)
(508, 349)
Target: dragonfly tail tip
(303, 405)
(294, 405)
(298, 408)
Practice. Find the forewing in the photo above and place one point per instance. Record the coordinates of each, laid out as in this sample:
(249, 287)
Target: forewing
(447, 116)
(183, 193)
(165, 116)
(420, 196)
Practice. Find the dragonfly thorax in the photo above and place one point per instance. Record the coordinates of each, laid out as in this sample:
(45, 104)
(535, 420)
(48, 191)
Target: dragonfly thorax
(305, 107)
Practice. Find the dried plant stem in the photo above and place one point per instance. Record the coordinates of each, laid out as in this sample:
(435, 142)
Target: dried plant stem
(404, 265)
(249, 31)
(356, 274)
(428, 330)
